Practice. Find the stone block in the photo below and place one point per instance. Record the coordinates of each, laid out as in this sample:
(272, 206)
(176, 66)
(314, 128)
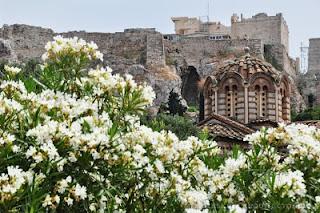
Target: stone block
(252, 105)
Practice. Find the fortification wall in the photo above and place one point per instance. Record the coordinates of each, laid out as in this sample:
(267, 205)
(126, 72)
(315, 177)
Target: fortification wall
(25, 42)
(200, 51)
(121, 49)
(277, 55)
(311, 80)
(314, 56)
(269, 29)
(142, 52)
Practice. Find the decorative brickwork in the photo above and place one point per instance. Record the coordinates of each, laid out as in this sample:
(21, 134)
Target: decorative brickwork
(248, 89)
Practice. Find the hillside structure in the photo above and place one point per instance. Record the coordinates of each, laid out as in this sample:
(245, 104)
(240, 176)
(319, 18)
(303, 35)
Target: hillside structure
(180, 61)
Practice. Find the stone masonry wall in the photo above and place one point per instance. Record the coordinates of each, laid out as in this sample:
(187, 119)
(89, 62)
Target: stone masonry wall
(311, 80)
(277, 55)
(135, 51)
(25, 42)
(269, 29)
(142, 52)
(200, 51)
(314, 56)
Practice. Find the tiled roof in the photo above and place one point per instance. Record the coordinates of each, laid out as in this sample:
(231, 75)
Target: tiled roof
(222, 126)
(247, 66)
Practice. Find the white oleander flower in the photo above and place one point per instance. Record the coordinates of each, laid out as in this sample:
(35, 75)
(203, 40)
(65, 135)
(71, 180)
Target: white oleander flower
(233, 166)
(72, 47)
(69, 201)
(80, 192)
(290, 184)
(13, 181)
(194, 199)
(12, 70)
(237, 209)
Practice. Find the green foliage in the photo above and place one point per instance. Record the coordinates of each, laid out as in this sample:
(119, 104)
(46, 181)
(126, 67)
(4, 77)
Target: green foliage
(179, 125)
(175, 105)
(308, 114)
(193, 109)
(77, 146)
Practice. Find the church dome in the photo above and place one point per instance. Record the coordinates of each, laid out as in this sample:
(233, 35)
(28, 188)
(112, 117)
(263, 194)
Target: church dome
(248, 89)
(247, 66)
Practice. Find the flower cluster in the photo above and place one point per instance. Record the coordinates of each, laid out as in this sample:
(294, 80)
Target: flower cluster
(71, 47)
(78, 145)
(85, 147)
(290, 184)
(12, 70)
(12, 181)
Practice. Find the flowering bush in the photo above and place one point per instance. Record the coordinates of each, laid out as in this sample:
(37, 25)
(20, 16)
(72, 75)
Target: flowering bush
(74, 142)
(71, 141)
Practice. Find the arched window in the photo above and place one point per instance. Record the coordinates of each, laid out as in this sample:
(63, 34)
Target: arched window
(208, 101)
(231, 100)
(228, 93)
(285, 103)
(264, 102)
(261, 99)
(281, 112)
(257, 100)
(234, 101)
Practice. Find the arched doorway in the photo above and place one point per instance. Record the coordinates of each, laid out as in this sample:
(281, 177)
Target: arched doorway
(190, 85)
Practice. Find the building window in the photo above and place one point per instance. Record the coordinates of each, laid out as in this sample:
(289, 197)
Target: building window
(261, 100)
(228, 100)
(257, 100)
(231, 100)
(264, 102)
(284, 104)
(234, 100)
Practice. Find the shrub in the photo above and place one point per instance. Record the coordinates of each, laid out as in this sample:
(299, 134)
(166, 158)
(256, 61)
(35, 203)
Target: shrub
(193, 109)
(75, 143)
(308, 114)
(179, 125)
(175, 104)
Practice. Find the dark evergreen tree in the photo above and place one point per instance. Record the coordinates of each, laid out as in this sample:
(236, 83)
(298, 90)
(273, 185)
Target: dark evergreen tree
(176, 105)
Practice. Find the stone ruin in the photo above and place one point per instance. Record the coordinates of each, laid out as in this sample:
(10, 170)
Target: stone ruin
(169, 62)
(309, 83)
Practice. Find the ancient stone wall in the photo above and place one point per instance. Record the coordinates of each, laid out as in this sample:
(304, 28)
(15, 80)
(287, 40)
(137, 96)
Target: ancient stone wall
(145, 53)
(277, 55)
(269, 29)
(121, 49)
(201, 51)
(314, 56)
(311, 80)
(25, 41)
(155, 50)
(135, 51)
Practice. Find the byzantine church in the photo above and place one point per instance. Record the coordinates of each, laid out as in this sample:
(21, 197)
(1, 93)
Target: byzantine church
(243, 95)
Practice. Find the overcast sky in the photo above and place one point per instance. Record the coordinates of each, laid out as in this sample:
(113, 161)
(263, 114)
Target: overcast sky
(302, 16)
